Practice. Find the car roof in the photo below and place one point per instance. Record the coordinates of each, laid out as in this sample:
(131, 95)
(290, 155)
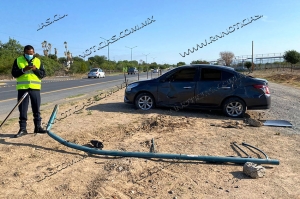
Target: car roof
(210, 66)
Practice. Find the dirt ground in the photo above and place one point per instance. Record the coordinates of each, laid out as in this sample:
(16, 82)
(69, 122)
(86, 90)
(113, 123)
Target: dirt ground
(37, 166)
(282, 76)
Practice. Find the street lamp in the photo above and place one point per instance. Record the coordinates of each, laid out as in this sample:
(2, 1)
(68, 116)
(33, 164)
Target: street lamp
(107, 48)
(146, 63)
(131, 50)
(146, 57)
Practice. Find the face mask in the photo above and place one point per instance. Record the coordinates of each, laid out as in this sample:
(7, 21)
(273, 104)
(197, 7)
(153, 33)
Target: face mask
(29, 57)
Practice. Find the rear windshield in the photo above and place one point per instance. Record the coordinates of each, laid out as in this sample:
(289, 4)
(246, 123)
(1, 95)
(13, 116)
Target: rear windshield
(94, 70)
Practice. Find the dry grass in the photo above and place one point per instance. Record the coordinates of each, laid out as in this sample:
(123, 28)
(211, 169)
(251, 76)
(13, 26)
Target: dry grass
(286, 76)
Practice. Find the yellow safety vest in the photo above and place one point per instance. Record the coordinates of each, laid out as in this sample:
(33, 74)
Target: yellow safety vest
(28, 79)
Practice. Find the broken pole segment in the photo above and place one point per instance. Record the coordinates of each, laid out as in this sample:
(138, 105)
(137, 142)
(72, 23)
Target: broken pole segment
(218, 159)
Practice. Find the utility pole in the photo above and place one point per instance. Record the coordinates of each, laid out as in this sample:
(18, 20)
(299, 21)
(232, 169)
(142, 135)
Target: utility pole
(146, 57)
(153, 58)
(147, 64)
(131, 50)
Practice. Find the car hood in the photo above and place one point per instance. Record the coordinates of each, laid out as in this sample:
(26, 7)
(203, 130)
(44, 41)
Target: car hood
(144, 81)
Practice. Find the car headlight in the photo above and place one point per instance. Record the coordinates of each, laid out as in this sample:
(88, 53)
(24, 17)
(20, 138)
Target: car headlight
(130, 86)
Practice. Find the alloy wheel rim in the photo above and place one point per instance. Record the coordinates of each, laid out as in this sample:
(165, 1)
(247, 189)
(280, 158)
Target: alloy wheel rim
(145, 102)
(234, 108)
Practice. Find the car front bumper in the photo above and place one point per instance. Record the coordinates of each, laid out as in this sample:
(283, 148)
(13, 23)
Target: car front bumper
(129, 97)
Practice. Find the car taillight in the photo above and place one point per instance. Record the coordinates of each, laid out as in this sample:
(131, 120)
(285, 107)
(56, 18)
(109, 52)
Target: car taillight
(262, 87)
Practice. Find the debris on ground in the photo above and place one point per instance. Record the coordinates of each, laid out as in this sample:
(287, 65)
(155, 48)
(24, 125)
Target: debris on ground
(254, 170)
(253, 122)
(279, 123)
(229, 124)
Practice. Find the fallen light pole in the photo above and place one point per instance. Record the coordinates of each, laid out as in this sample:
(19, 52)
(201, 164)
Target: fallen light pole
(19, 102)
(218, 159)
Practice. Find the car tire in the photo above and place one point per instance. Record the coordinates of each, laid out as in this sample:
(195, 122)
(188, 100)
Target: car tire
(144, 101)
(234, 107)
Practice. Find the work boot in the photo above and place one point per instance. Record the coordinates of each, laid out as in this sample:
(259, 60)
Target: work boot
(39, 129)
(21, 133)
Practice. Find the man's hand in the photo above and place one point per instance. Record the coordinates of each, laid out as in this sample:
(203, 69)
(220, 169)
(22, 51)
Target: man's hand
(27, 68)
(33, 67)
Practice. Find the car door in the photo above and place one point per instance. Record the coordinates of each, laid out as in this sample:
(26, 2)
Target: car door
(101, 73)
(213, 86)
(178, 87)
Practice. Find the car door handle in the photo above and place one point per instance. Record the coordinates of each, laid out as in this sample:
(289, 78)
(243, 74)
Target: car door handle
(187, 87)
(226, 87)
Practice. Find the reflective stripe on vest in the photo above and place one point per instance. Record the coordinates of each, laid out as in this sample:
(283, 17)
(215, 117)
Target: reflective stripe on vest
(28, 82)
(28, 79)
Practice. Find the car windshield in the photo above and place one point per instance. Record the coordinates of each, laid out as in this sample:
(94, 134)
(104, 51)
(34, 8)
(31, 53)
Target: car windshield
(94, 70)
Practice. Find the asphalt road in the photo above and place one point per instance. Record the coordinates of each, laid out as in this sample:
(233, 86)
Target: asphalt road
(54, 90)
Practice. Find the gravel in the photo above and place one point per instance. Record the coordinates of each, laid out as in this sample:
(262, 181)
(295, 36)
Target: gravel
(285, 105)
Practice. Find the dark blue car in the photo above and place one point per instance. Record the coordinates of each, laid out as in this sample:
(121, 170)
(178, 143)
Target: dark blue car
(204, 87)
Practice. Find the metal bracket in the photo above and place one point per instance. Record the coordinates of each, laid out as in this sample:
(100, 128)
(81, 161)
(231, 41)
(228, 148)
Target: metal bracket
(248, 145)
(235, 144)
(152, 147)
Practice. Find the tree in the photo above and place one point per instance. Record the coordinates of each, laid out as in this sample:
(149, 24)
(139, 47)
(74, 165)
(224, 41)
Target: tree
(62, 60)
(227, 57)
(49, 48)
(292, 57)
(180, 63)
(77, 59)
(51, 56)
(248, 64)
(51, 66)
(153, 65)
(97, 60)
(200, 62)
(45, 47)
(8, 53)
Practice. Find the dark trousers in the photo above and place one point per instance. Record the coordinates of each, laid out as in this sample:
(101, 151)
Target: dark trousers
(35, 98)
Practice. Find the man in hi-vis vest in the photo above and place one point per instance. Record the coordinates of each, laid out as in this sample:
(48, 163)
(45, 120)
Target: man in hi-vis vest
(28, 70)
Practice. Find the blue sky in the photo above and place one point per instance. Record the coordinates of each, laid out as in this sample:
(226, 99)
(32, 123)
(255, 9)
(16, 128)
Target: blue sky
(180, 25)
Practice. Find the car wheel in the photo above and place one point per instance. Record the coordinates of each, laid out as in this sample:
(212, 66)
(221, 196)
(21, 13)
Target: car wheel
(234, 107)
(144, 101)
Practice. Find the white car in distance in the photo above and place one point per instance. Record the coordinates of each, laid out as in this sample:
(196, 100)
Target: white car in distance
(155, 70)
(96, 73)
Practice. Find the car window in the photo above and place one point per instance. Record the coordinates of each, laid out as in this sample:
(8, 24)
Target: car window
(94, 70)
(186, 74)
(226, 75)
(209, 74)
